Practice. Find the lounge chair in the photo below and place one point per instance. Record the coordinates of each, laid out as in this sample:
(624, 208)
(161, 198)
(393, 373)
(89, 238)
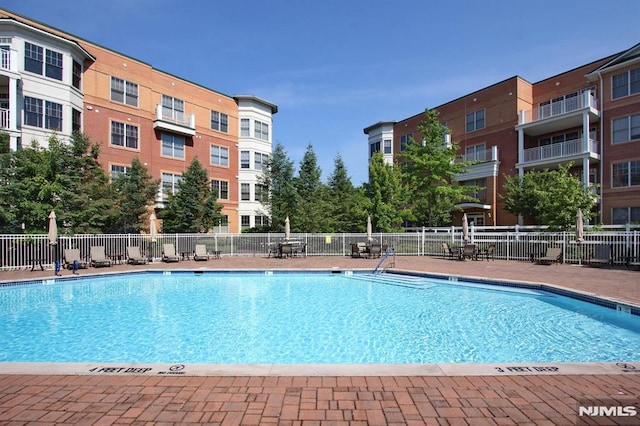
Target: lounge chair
(73, 255)
(601, 256)
(469, 251)
(134, 257)
(553, 255)
(200, 252)
(98, 258)
(169, 253)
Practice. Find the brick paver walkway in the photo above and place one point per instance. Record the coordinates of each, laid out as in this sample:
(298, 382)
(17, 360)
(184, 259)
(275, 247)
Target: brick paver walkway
(328, 400)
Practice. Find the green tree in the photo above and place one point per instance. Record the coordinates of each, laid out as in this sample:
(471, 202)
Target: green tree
(386, 194)
(347, 211)
(136, 191)
(277, 179)
(311, 212)
(429, 170)
(65, 177)
(550, 197)
(193, 208)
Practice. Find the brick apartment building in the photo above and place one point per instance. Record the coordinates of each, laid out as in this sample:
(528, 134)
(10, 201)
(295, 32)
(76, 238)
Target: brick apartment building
(51, 81)
(589, 116)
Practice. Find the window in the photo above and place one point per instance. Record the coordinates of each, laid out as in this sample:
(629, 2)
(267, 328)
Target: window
(170, 183)
(76, 79)
(626, 129)
(261, 130)
(172, 145)
(404, 141)
(626, 174)
(260, 193)
(223, 226)
(245, 192)
(563, 137)
(475, 121)
(245, 127)
(624, 215)
(373, 148)
(124, 135)
(124, 91)
(33, 58)
(245, 159)
(475, 153)
(261, 161)
(221, 187)
(245, 222)
(219, 121)
(76, 120)
(52, 116)
(219, 155)
(625, 84)
(117, 171)
(478, 192)
(54, 65)
(262, 220)
(387, 146)
(173, 108)
(32, 111)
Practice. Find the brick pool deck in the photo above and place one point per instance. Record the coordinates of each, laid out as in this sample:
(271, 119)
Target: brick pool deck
(518, 397)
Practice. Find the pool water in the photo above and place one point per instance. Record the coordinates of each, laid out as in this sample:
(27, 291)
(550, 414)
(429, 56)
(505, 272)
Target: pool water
(296, 318)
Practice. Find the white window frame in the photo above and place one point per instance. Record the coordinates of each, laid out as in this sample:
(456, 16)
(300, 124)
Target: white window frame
(631, 128)
(126, 90)
(219, 156)
(476, 123)
(130, 135)
(173, 145)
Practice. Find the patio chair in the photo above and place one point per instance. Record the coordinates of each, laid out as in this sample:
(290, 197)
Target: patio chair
(553, 255)
(274, 249)
(286, 250)
(169, 253)
(469, 251)
(71, 256)
(98, 258)
(359, 250)
(200, 253)
(375, 250)
(448, 253)
(601, 256)
(134, 257)
(488, 252)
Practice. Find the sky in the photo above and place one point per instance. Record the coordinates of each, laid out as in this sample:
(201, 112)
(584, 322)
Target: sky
(335, 67)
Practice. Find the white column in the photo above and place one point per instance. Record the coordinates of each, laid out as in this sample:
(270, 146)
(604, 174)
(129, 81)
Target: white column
(14, 110)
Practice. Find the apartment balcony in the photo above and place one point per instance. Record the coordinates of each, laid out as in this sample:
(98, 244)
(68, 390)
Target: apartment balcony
(557, 153)
(558, 115)
(175, 122)
(485, 164)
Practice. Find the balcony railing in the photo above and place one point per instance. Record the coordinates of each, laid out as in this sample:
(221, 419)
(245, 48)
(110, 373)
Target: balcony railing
(4, 118)
(9, 60)
(490, 154)
(558, 108)
(558, 150)
(175, 121)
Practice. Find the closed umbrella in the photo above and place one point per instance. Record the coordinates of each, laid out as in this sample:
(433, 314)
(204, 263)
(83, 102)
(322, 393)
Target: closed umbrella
(153, 227)
(287, 229)
(53, 228)
(369, 229)
(465, 228)
(579, 227)
(53, 240)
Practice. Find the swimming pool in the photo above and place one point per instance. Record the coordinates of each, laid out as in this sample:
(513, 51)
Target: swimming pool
(304, 318)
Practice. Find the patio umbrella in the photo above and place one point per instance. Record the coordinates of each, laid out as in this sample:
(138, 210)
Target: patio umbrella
(53, 240)
(465, 228)
(53, 228)
(287, 229)
(579, 227)
(369, 229)
(153, 227)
